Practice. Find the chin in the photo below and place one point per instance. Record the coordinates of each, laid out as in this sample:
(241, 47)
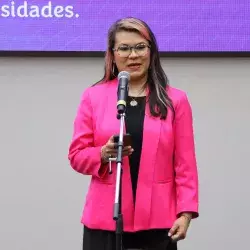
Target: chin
(136, 75)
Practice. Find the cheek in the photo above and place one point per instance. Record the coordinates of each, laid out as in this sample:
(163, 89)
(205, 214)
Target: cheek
(120, 63)
(147, 63)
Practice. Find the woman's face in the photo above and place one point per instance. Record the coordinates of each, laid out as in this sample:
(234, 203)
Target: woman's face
(135, 61)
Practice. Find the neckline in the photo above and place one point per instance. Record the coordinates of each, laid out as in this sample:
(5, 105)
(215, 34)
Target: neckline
(136, 96)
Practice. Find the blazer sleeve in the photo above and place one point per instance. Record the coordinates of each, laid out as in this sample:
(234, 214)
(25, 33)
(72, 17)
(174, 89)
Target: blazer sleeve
(186, 174)
(84, 157)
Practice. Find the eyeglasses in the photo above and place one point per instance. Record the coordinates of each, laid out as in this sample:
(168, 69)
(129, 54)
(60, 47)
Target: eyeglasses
(140, 49)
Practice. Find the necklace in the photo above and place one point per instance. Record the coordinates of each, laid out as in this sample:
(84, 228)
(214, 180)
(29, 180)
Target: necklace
(133, 102)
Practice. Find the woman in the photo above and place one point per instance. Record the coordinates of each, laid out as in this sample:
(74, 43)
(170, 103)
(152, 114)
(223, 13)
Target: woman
(159, 181)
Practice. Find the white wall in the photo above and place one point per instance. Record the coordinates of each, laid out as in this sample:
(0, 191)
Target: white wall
(41, 197)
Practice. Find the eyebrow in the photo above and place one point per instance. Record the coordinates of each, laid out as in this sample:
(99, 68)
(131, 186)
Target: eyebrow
(132, 45)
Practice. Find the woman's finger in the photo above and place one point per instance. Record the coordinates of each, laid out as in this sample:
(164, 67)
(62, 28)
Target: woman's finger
(180, 235)
(128, 152)
(111, 151)
(173, 229)
(111, 145)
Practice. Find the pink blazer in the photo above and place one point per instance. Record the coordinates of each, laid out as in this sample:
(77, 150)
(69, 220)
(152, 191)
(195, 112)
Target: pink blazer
(167, 182)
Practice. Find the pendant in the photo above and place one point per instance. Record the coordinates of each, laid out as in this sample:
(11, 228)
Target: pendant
(133, 103)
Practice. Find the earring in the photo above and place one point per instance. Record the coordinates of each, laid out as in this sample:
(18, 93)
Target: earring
(113, 69)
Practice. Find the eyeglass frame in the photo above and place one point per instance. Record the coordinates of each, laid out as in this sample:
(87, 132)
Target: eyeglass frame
(132, 47)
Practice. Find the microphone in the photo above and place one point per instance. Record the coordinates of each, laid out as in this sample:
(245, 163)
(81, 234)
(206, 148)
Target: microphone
(122, 92)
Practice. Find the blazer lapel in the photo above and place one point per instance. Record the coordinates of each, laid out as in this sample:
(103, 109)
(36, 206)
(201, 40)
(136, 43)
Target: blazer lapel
(151, 136)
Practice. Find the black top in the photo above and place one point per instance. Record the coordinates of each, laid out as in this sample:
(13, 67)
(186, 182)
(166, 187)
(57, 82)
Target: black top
(99, 239)
(134, 120)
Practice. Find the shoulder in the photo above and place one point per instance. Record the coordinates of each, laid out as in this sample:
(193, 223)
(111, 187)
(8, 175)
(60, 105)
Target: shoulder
(180, 101)
(175, 93)
(99, 87)
(177, 96)
(97, 93)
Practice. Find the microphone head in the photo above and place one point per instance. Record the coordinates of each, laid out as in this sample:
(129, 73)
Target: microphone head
(124, 74)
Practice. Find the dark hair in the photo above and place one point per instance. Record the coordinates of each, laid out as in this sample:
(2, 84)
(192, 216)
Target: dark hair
(157, 81)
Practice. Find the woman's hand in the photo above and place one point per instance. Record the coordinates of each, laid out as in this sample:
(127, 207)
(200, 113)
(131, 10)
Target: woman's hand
(180, 227)
(109, 150)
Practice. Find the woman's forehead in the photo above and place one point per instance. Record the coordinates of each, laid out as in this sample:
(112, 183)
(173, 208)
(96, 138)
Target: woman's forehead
(129, 38)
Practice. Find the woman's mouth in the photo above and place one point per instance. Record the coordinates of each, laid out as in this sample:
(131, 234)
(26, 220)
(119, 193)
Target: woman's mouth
(134, 66)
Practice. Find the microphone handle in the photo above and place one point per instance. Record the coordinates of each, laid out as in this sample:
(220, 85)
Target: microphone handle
(122, 96)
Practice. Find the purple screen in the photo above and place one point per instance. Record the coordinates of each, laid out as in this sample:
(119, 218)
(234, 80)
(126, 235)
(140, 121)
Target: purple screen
(82, 25)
